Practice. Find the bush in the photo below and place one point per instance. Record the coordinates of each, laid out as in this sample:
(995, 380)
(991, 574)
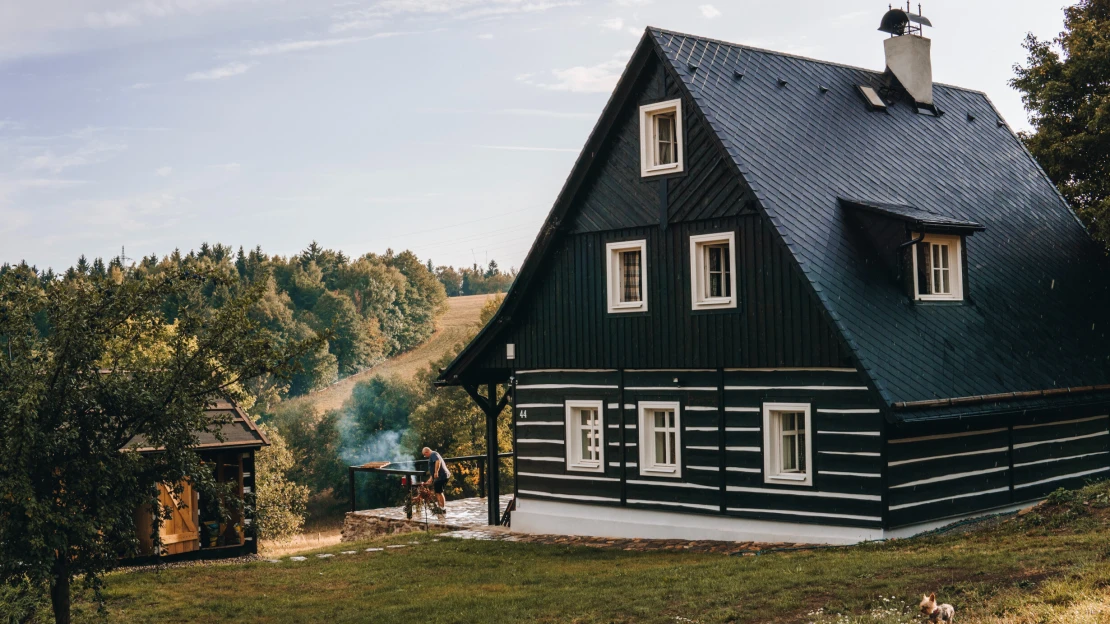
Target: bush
(280, 503)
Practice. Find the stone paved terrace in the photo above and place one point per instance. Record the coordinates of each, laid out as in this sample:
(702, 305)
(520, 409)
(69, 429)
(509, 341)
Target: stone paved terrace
(462, 514)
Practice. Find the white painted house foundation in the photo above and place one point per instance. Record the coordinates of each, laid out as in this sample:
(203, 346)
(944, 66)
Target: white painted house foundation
(545, 517)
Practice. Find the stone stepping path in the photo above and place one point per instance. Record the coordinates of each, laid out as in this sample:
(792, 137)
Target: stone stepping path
(348, 552)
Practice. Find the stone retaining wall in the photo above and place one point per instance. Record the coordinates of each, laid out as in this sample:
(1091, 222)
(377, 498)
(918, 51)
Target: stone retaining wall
(361, 526)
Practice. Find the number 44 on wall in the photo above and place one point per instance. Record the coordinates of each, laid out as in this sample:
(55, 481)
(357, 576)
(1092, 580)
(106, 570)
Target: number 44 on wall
(523, 413)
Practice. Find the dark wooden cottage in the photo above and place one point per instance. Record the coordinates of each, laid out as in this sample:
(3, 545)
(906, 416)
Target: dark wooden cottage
(195, 529)
(786, 299)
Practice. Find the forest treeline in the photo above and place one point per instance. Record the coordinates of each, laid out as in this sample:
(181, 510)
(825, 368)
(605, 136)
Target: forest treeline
(369, 307)
(474, 280)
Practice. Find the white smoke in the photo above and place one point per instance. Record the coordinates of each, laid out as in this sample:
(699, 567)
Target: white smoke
(382, 446)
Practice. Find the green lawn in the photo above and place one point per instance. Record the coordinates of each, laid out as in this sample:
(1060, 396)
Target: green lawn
(1048, 566)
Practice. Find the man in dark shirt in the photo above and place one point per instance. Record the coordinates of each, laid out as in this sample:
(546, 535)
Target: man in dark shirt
(437, 469)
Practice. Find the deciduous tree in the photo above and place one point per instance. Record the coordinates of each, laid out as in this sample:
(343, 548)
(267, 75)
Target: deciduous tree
(1066, 89)
(91, 368)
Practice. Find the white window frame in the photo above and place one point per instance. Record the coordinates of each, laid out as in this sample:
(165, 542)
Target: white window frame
(615, 276)
(772, 445)
(647, 138)
(699, 271)
(573, 445)
(955, 267)
(648, 466)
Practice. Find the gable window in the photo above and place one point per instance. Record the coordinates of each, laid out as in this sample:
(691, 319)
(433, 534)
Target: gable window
(937, 271)
(660, 439)
(585, 436)
(713, 271)
(787, 444)
(626, 271)
(661, 138)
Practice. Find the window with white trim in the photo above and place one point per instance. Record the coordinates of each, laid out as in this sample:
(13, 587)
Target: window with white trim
(585, 436)
(713, 271)
(626, 268)
(660, 439)
(787, 444)
(661, 148)
(937, 270)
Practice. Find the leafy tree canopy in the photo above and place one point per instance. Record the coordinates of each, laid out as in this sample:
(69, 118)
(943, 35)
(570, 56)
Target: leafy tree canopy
(92, 367)
(1066, 89)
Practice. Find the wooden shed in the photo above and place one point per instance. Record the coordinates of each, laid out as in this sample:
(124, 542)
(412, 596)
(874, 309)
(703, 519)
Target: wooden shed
(196, 530)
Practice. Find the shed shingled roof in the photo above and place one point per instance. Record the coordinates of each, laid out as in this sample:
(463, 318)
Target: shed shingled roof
(236, 430)
(800, 135)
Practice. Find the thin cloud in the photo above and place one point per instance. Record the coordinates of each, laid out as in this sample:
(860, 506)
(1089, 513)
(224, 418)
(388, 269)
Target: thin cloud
(510, 8)
(221, 72)
(305, 45)
(485, 36)
(466, 9)
(600, 78)
(136, 13)
(361, 19)
(89, 154)
(525, 148)
(163, 171)
(615, 23)
(231, 167)
(536, 112)
(708, 11)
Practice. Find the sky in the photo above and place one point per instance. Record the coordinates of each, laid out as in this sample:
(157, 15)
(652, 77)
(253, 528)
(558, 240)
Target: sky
(442, 126)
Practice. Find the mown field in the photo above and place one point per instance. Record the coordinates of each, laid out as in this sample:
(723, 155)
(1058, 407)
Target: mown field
(1051, 565)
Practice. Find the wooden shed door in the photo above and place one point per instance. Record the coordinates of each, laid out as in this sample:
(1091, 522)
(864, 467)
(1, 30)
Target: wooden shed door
(180, 534)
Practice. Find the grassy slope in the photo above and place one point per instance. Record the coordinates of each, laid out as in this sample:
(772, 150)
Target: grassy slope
(1049, 566)
(461, 317)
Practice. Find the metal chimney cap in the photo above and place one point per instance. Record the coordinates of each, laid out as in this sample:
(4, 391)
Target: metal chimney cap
(896, 20)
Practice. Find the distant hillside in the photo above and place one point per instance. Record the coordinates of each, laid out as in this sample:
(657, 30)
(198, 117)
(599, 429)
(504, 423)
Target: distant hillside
(461, 317)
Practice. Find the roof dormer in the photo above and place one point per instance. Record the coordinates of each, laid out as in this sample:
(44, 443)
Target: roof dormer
(924, 248)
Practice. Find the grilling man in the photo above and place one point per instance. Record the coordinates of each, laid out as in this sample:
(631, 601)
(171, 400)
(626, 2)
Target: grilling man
(437, 469)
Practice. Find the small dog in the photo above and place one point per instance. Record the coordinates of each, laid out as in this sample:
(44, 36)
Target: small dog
(936, 613)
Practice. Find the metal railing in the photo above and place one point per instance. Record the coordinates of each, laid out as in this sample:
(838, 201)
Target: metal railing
(396, 468)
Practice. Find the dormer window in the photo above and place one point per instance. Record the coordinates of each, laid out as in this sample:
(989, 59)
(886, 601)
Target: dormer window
(937, 269)
(661, 138)
(626, 271)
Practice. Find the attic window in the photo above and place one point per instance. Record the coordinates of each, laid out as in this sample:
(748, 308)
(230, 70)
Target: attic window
(937, 269)
(626, 271)
(713, 271)
(661, 148)
(872, 97)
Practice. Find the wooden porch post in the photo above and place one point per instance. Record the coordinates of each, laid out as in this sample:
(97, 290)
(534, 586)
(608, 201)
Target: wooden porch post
(493, 472)
(491, 407)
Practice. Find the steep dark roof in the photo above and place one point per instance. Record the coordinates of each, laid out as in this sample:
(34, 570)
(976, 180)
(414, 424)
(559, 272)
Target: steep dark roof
(801, 136)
